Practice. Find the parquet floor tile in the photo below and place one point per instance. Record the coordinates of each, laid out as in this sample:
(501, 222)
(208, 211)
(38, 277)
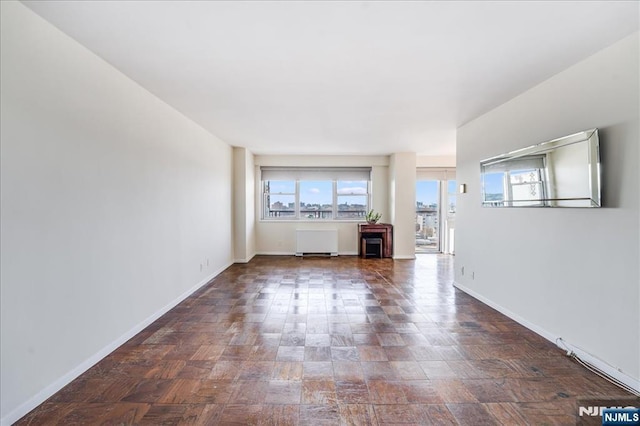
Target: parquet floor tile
(338, 341)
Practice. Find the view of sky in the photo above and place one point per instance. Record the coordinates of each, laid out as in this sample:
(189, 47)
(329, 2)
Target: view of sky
(316, 192)
(427, 191)
(320, 192)
(493, 183)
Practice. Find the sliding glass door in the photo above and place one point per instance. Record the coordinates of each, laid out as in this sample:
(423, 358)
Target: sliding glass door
(427, 216)
(435, 215)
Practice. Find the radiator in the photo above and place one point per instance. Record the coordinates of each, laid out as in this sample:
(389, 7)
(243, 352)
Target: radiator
(317, 241)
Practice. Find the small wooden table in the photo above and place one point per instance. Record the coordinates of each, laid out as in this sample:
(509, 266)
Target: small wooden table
(378, 230)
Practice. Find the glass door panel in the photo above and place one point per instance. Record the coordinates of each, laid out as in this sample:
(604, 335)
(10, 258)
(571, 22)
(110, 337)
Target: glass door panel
(427, 216)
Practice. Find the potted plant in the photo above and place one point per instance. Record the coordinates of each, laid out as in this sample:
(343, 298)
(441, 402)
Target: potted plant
(372, 217)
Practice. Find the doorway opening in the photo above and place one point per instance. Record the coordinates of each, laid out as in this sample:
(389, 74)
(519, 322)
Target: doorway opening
(435, 216)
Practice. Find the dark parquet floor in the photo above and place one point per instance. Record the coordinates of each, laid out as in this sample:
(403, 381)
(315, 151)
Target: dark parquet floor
(286, 341)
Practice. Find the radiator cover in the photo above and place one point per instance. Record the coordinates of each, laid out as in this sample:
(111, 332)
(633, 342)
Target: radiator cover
(317, 241)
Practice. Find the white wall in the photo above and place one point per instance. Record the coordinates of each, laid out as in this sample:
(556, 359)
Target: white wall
(250, 206)
(436, 161)
(402, 203)
(570, 273)
(244, 205)
(111, 202)
(278, 237)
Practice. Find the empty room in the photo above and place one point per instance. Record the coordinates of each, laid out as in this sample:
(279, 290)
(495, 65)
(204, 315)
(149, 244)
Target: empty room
(310, 212)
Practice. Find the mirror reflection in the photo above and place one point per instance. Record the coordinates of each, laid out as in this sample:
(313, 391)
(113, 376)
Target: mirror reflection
(564, 172)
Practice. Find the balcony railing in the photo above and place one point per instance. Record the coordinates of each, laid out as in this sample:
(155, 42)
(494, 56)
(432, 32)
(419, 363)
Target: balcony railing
(317, 213)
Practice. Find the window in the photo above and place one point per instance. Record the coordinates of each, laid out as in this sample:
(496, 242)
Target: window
(279, 198)
(526, 187)
(352, 199)
(316, 199)
(521, 181)
(494, 188)
(315, 193)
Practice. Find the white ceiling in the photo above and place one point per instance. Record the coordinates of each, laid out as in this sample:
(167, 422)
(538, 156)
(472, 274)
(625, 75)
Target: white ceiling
(333, 77)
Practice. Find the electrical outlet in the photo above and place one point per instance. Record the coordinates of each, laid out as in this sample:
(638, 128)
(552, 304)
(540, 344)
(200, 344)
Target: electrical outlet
(462, 270)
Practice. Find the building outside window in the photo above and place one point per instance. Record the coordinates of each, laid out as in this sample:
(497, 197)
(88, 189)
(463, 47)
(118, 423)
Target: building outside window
(315, 193)
(316, 199)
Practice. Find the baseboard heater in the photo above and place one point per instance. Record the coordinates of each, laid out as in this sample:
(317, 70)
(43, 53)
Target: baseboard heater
(317, 242)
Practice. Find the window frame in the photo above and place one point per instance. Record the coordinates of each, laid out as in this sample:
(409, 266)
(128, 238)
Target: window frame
(265, 206)
(510, 185)
(336, 199)
(297, 217)
(298, 204)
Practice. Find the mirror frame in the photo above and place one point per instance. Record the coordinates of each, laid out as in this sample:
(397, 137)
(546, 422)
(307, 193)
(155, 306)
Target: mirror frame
(592, 172)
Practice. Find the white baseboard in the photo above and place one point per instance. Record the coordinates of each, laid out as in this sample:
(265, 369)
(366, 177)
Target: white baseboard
(67, 378)
(583, 355)
(602, 366)
(276, 253)
(517, 318)
(346, 253)
(246, 260)
(404, 257)
(283, 253)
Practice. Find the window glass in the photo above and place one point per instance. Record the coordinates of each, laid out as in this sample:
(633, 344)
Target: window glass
(352, 199)
(350, 187)
(280, 186)
(316, 199)
(494, 187)
(427, 215)
(451, 197)
(451, 186)
(427, 194)
(526, 187)
(319, 199)
(279, 199)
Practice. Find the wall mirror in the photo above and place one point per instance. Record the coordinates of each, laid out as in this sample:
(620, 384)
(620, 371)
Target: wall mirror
(564, 172)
